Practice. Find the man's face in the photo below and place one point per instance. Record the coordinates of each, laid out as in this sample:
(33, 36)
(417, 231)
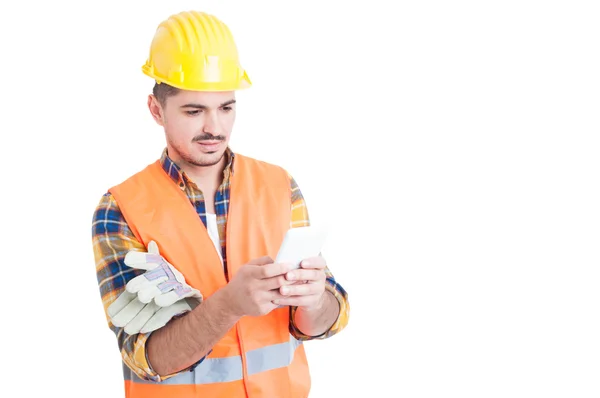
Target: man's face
(197, 125)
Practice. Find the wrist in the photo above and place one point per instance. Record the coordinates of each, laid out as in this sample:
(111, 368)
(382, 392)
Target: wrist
(223, 304)
(318, 306)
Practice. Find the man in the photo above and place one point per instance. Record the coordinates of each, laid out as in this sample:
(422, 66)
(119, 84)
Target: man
(184, 248)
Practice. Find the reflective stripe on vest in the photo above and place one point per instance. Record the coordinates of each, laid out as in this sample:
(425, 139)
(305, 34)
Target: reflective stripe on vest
(218, 370)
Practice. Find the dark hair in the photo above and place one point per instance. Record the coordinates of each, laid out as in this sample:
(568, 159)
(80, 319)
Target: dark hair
(163, 91)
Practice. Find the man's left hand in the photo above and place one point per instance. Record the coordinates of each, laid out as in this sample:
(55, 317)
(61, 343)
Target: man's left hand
(308, 289)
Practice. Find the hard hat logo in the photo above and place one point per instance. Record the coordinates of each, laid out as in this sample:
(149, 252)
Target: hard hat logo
(195, 51)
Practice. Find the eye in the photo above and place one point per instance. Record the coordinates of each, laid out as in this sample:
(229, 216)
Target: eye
(227, 108)
(194, 112)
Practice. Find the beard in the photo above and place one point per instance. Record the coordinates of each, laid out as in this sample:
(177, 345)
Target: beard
(200, 160)
(207, 160)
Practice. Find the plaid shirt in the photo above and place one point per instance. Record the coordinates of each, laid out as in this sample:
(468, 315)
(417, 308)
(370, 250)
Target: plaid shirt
(112, 239)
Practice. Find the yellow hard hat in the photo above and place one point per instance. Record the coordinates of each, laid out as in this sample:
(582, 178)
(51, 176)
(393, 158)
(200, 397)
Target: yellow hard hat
(195, 51)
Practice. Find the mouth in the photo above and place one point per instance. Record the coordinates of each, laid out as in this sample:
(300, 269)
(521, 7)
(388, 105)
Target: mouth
(209, 146)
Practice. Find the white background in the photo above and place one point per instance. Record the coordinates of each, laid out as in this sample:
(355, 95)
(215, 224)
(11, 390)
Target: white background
(451, 146)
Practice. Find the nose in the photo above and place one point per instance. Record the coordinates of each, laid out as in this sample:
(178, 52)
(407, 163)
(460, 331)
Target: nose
(211, 123)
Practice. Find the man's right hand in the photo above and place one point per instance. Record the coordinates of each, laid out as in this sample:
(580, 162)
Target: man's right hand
(256, 285)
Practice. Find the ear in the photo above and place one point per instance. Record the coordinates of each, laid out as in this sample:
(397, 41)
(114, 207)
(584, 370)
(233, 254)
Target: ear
(156, 110)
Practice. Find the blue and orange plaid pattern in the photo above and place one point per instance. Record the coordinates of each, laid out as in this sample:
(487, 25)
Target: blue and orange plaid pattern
(112, 239)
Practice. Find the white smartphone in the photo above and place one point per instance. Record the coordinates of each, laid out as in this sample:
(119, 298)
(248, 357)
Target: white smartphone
(301, 243)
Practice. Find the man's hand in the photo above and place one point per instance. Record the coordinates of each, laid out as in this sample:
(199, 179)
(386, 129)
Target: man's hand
(317, 308)
(309, 290)
(255, 287)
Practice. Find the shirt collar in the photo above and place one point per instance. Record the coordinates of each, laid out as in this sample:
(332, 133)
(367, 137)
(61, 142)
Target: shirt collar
(180, 178)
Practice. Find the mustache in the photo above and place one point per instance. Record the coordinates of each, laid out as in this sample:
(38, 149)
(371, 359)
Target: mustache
(208, 137)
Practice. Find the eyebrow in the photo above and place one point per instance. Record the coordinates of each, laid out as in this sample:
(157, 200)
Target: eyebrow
(200, 106)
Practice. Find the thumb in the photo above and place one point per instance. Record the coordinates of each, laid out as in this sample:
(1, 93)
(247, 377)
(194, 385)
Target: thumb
(264, 260)
(153, 247)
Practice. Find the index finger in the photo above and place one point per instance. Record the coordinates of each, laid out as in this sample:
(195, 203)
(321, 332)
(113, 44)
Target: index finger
(264, 260)
(274, 269)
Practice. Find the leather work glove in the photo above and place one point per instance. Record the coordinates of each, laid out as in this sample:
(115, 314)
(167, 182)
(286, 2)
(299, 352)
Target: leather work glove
(150, 300)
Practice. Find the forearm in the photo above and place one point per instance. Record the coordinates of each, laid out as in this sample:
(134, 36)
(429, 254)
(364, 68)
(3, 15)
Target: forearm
(314, 322)
(185, 340)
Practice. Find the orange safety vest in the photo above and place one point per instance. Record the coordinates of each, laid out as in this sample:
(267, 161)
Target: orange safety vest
(258, 357)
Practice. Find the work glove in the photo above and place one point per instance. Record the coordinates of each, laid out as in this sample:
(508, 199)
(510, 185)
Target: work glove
(151, 299)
